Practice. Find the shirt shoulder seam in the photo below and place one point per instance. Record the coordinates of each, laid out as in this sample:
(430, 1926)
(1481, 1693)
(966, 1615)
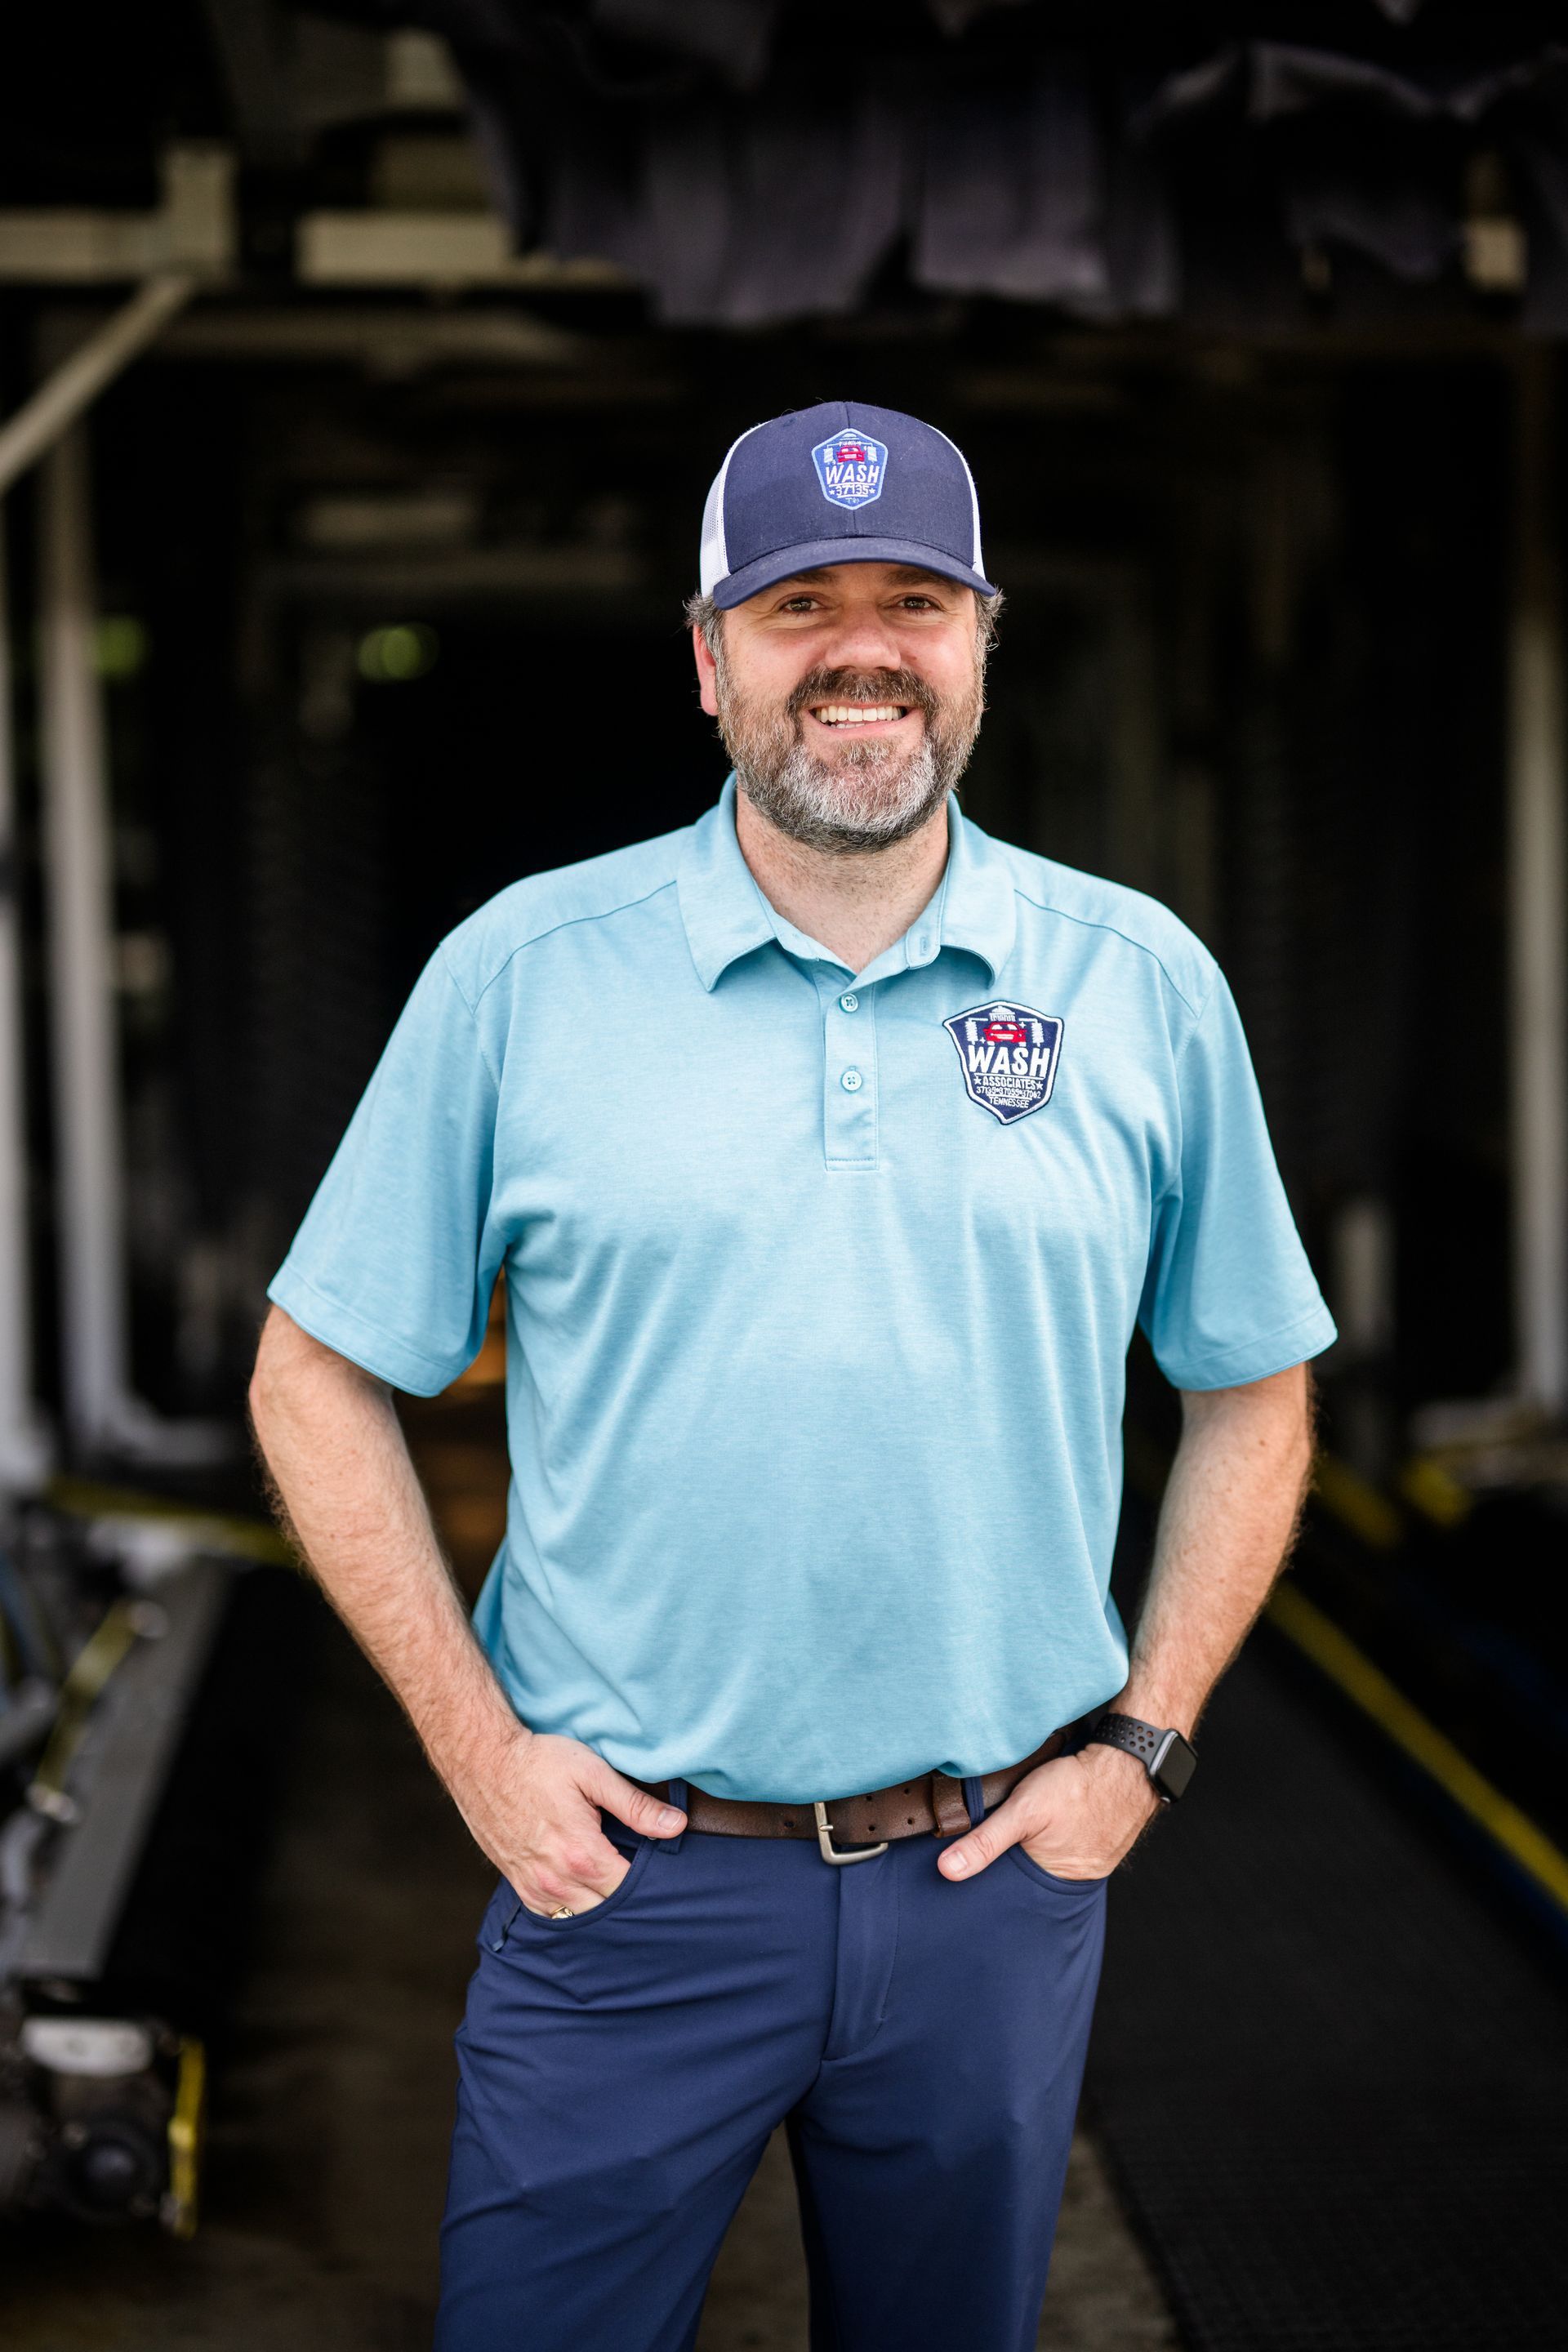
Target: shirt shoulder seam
(1097, 923)
(472, 1011)
(598, 914)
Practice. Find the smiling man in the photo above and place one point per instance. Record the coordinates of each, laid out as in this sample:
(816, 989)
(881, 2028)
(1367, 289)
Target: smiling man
(832, 1152)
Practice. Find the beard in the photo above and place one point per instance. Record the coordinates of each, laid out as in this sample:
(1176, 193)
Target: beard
(861, 797)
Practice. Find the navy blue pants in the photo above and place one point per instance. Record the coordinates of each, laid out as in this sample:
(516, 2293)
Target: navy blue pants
(620, 2074)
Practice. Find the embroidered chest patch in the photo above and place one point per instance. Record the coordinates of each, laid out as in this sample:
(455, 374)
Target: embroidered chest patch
(1008, 1054)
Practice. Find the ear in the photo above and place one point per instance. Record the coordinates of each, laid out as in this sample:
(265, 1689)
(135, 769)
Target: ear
(707, 674)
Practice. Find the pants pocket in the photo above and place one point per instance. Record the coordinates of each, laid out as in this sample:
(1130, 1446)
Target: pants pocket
(1031, 1870)
(516, 1920)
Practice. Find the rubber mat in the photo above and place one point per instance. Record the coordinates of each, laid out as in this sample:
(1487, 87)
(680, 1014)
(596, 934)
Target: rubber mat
(1330, 2073)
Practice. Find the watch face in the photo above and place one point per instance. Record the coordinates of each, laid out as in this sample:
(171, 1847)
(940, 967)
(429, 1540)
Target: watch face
(1173, 1766)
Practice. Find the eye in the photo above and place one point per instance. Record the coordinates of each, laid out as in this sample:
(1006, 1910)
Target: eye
(801, 604)
(915, 603)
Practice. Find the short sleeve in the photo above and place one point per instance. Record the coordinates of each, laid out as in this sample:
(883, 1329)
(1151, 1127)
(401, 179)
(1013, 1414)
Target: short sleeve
(395, 1261)
(1229, 1297)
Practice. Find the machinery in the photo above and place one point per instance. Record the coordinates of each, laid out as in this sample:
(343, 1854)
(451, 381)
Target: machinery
(107, 1627)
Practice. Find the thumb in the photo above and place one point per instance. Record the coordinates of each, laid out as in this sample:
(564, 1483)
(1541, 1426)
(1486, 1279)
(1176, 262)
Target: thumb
(633, 1805)
(967, 1856)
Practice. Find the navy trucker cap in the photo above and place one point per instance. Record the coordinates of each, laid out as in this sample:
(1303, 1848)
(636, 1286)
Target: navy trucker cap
(841, 483)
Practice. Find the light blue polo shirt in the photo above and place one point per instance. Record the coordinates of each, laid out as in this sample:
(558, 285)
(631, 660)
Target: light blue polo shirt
(819, 1292)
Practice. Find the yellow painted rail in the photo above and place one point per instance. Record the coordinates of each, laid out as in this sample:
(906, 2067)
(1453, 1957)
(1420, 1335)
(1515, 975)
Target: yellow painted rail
(1370, 1689)
(185, 2140)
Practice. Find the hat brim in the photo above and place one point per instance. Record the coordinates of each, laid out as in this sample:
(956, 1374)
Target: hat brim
(767, 571)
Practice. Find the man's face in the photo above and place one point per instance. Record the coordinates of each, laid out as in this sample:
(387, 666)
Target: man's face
(848, 699)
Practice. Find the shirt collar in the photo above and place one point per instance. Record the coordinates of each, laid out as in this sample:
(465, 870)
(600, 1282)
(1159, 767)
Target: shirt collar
(726, 916)
(978, 908)
(724, 910)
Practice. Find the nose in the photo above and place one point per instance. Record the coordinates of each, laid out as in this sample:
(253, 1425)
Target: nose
(862, 638)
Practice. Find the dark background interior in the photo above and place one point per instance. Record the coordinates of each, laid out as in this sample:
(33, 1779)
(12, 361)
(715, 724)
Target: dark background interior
(1252, 660)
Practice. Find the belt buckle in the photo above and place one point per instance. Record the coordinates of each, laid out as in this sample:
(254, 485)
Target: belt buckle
(830, 1853)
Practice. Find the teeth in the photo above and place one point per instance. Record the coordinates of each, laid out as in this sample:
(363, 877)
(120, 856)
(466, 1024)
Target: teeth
(856, 714)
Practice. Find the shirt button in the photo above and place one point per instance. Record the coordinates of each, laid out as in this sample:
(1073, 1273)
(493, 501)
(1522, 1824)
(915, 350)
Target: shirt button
(851, 1082)
(849, 1002)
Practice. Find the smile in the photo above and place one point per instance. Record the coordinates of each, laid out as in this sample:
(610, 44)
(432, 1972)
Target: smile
(858, 714)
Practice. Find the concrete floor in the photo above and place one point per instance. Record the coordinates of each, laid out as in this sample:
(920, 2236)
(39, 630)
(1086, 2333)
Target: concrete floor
(329, 2118)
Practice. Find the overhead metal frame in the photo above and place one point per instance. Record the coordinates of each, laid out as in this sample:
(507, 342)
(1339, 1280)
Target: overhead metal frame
(76, 383)
(191, 228)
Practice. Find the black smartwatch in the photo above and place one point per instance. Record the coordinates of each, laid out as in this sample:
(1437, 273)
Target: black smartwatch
(1168, 1758)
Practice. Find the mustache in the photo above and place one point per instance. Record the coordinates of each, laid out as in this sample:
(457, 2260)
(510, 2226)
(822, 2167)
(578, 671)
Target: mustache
(865, 686)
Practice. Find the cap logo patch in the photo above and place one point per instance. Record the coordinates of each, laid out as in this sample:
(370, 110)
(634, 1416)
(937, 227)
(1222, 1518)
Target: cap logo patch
(1008, 1054)
(851, 468)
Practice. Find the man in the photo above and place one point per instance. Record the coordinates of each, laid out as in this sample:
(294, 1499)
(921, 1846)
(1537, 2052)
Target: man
(832, 1152)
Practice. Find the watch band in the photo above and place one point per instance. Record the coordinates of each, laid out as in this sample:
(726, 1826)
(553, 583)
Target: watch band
(1169, 1759)
(1125, 1731)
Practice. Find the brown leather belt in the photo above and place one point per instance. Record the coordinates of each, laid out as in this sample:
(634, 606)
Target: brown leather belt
(932, 1805)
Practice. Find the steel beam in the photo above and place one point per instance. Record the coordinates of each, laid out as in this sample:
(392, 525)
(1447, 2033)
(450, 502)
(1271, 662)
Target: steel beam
(77, 383)
(450, 251)
(193, 229)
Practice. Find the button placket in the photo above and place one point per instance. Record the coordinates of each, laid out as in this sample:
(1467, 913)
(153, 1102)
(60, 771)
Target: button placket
(850, 1080)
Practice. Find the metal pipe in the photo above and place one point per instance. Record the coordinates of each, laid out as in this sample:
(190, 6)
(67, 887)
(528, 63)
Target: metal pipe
(76, 383)
(76, 735)
(24, 1453)
(77, 854)
(102, 1413)
(1538, 908)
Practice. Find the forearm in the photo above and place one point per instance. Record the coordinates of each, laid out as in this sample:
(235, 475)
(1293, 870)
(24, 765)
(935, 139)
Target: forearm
(1225, 1526)
(331, 1440)
(332, 1443)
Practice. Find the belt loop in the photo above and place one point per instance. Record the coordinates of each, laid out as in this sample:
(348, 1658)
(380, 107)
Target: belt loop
(974, 1798)
(947, 1803)
(675, 1794)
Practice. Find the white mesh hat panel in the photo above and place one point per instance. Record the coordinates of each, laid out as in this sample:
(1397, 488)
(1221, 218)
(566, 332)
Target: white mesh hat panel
(973, 496)
(713, 562)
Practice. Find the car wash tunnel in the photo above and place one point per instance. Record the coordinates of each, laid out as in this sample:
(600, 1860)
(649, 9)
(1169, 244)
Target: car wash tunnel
(362, 376)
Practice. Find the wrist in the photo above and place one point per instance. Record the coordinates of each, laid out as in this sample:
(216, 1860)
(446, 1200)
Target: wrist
(1114, 1766)
(480, 1753)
